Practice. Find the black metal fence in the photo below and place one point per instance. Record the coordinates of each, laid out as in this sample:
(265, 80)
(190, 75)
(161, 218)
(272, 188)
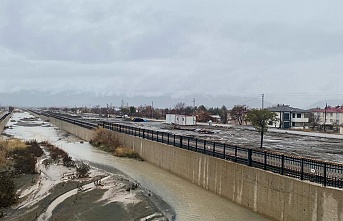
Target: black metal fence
(4, 115)
(325, 173)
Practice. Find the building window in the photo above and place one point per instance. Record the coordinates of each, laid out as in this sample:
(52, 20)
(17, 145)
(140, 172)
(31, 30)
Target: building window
(293, 124)
(331, 114)
(331, 120)
(298, 115)
(270, 123)
(286, 116)
(293, 115)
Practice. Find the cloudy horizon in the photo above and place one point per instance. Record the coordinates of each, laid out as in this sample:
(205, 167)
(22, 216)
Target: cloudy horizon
(289, 51)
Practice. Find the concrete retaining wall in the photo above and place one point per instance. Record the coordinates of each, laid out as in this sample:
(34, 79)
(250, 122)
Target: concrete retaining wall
(4, 122)
(83, 133)
(272, 195)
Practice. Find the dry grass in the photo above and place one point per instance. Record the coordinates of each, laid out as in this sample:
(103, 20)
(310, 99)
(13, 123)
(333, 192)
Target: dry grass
(7, 146)
(12, 145)
(125, 152)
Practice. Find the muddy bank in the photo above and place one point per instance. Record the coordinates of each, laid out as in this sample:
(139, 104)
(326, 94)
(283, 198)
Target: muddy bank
(55, 194)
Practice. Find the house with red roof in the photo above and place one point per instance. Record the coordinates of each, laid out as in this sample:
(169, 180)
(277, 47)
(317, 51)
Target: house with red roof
(329, 115)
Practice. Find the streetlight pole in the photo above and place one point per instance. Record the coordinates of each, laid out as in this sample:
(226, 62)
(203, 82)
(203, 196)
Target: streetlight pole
(262, 126)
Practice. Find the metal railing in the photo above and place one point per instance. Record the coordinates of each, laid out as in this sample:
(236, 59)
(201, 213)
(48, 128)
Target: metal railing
(4, 115)
(325, 173)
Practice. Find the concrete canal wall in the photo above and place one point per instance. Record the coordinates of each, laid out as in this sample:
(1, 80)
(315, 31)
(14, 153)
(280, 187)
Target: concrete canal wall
(83, 133)
(272, 195)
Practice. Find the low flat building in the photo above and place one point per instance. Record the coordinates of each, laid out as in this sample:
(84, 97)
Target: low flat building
(179, 119)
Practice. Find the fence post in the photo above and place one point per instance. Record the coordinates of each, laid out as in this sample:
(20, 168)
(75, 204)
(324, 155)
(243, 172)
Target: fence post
(168, 138)
(162, 137)
(204, 146)
(282, 164)
(214, 148)
(249, 156)
(224, 154)
(103, 124)
(181, 142)
(157, 136)
(174, 139)
(120, 128)
(188, 143)
(139, 132)
(302, 169)
(235, 153)
(196, 145)
(325, 175)
(143, 133)
(265, 160)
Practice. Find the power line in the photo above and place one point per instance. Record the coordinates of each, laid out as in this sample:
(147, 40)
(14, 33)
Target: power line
(245, 102)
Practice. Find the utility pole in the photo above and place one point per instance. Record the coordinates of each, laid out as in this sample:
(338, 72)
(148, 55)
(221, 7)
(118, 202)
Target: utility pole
(326, 106)
(262, 101)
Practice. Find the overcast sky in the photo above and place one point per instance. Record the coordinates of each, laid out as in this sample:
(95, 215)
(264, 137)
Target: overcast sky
(292, 51)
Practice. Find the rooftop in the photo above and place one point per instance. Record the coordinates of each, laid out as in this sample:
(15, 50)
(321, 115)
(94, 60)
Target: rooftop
(285, 108)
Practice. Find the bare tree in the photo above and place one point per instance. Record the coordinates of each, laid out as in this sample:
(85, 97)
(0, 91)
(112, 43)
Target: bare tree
(314, 120)
(180, 108)
(238, 113)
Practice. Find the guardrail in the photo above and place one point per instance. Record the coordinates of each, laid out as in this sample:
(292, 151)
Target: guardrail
(325, 173)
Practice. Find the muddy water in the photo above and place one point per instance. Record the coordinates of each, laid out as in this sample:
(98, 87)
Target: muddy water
(189, 201)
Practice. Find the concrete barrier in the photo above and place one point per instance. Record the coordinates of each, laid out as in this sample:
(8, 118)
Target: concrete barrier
(272, 195)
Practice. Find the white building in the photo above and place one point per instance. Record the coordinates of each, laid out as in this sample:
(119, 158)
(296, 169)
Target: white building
(288, 117)
(329, 115)
(180, 119)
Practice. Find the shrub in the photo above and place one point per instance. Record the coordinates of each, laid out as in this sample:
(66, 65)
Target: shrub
(25, 164)
(57, 154)
(125, 152)
(105, 140)
(34, 148)
(82, 170)
(67, 161)
(7, 191)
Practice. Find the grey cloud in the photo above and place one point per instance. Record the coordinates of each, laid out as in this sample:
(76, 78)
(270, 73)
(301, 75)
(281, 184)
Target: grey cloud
(179, 48)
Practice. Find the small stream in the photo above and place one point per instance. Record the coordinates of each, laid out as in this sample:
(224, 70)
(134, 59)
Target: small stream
(189, 201)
